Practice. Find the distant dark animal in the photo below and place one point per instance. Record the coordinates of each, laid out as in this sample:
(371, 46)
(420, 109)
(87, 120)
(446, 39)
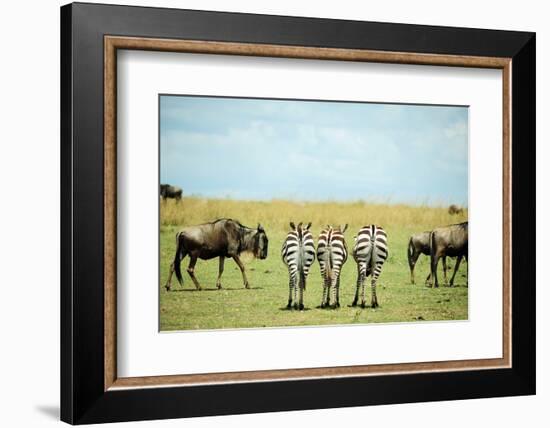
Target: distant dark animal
(170, 192)
(448, 241)
(298, 253)
(419, 243)
(221, 238)
(370, 252)
(332, 253)
(455, 210)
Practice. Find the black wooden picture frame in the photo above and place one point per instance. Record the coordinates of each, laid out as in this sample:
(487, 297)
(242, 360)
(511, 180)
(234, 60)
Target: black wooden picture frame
(84, 398)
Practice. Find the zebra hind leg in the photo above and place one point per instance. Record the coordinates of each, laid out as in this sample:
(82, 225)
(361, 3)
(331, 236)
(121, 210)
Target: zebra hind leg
(301, 299)
(338, 292)
(363, 305)
(333, 292)
(374, 299)
(360, 279)
(296, 286)
(375, 275)
(295, 290)
(289, 305)
(326, 292)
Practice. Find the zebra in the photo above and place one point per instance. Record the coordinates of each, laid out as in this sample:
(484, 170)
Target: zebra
(332, 253)
(370, 252)
(298, 253)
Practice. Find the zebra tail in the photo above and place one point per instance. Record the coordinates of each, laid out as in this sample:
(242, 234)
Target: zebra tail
(328, 269)
(301, 268)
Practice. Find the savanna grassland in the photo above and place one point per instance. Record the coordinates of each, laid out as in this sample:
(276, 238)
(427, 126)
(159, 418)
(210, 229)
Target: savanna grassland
(264, 304)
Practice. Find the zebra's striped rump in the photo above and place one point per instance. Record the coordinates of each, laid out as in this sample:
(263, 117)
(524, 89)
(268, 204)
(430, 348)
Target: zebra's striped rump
(332, 253)
(298, 253)
(370, 252)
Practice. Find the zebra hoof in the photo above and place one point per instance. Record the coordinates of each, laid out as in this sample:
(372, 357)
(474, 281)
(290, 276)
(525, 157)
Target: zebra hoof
(363, 305)
(167, 287)
(219, 286)
(301, 307)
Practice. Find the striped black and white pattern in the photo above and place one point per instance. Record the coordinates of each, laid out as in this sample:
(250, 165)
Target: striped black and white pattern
(298, 254)
(370, 252)
(332, 254)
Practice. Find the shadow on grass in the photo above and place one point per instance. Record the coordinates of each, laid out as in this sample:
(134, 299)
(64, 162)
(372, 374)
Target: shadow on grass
(214, 289)
(360, 308)
(329, 308)
(284, 308)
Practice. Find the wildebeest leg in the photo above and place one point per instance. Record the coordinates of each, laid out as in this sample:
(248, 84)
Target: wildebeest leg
(444, 262)
(241, 267)
(220, 271)
(191, 272)
(428, 279)
(169, 281)
(458, 260)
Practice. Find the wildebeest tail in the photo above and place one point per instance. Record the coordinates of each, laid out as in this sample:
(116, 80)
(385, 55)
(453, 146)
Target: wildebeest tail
(410, 251)
(178, 258)
(432, 252)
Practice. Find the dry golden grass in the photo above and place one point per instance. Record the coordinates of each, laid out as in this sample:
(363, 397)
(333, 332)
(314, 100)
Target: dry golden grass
(277, 213)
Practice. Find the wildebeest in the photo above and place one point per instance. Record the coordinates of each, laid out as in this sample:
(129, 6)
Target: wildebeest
(370, 252)
(419, 243)
(455, 209)
(448, 241)
(221, 238)
(170, 192)
(298, 253)
(332, 253)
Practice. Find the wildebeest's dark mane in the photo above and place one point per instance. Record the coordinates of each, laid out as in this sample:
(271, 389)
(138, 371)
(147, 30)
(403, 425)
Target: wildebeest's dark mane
(241, 231)
(230, 219)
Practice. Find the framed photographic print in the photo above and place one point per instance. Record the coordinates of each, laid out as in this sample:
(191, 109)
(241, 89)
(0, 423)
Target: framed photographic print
(259, 210)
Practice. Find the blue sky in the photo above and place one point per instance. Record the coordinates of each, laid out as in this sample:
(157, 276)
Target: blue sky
(259, 149)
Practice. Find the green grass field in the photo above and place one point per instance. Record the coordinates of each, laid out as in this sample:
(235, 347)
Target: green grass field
(264, 304)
